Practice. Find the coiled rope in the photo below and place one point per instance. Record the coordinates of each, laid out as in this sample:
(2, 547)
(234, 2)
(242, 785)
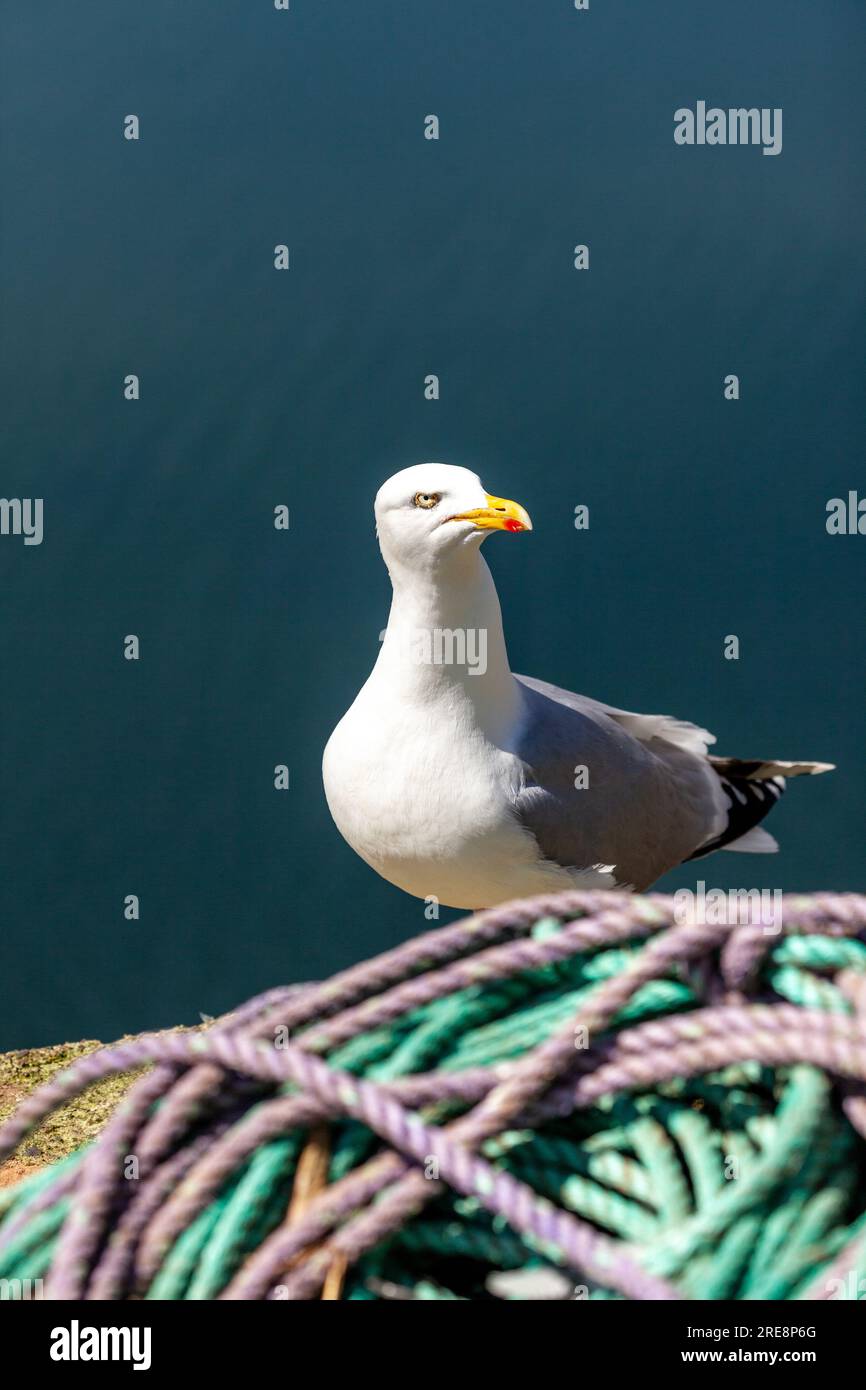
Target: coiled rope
(657, 1109)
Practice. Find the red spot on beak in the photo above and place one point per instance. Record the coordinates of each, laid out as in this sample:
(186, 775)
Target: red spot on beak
(512, 525)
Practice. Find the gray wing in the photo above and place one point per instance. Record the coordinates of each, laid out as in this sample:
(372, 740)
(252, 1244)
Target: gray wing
(651, 798)
(646, 728)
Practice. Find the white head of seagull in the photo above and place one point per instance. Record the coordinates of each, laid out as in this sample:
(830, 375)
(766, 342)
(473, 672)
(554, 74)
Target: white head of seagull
(428, 514)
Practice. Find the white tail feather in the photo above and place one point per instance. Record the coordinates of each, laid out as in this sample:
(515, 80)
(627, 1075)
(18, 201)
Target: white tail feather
(755, 841)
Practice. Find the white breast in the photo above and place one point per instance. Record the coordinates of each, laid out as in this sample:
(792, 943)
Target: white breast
(425, 798)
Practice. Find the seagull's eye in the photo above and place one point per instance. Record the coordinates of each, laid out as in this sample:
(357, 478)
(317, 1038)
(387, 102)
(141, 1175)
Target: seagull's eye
(426, 499)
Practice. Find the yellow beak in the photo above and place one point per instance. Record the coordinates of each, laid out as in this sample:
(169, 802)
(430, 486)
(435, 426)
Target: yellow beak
(499, 515)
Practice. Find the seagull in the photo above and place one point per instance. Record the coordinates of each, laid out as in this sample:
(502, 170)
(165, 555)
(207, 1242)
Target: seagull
(467, 785)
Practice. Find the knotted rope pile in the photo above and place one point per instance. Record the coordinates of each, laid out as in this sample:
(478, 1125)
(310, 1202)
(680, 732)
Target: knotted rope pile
(578, 1083)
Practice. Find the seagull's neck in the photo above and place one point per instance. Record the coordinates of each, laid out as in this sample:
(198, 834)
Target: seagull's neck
(445, 642)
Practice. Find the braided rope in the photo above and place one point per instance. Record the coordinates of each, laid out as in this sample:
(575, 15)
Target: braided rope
(580, 1067)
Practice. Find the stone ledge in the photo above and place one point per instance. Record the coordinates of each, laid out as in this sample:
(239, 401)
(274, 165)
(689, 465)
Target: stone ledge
(76, 1123)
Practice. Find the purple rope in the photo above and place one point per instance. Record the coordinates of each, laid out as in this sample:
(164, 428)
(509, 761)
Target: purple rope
(99, 1188)
(112, 1271)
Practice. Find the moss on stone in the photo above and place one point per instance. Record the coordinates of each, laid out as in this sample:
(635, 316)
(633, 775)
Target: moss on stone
(65, 1129)
(74, 1124)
